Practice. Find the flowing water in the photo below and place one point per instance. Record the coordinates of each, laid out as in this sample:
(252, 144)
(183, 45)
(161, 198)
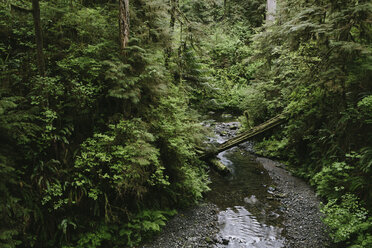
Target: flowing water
(249, 214)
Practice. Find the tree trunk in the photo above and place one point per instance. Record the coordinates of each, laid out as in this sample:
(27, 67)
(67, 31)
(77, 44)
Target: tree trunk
(38, 37)
(124, 23)
(243, 137)
(174, 5)
(270, 10)
(168, 49)
(224, 8)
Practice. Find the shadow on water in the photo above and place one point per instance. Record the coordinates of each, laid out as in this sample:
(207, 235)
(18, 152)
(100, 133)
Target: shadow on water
(249, 214)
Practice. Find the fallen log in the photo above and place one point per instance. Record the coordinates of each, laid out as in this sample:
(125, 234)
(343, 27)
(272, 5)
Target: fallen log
(243, 137)
(218, 166)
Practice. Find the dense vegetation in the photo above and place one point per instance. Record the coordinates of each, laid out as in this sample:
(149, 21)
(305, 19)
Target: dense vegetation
(316, 67)
(314, 64)
(102, 148)
(99, 148)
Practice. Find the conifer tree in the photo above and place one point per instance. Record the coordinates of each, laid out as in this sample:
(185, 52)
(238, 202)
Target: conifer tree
(123, 23)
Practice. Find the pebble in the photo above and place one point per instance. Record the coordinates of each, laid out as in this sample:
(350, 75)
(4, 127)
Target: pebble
(193, 227)
(303, 228)
(303, 225)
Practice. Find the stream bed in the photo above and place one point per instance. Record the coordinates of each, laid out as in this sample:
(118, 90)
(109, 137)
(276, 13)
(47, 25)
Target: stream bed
(249, 213)
(258, 205)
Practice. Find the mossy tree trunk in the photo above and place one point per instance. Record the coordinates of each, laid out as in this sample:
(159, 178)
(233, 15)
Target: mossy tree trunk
(243, 137)
(124, 23)
(38, 37)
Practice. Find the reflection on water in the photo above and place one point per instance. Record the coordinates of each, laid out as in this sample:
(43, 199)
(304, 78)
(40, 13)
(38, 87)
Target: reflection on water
(242, 229)
(249, 216)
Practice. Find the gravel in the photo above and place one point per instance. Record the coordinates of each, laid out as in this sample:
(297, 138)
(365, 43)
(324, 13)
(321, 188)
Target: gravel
(198, 226)
(194, 227)
(303, 225)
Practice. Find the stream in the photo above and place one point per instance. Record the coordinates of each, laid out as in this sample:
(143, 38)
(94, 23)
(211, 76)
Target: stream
(249, 214)
(258, 204)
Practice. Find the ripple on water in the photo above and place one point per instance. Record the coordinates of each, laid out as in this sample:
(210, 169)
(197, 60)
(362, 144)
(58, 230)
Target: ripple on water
(247, 217)
(241, 229)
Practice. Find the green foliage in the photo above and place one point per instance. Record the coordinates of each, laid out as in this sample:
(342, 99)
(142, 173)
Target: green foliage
(313, 64)
(366, 159)
(103, 136)
(11, 212)
(365, 106)
(332, 180)
(347, 219)
(95, 239)
(129, 168)
(251, 13)
(230, 69)
(144, 225)
(271, 147)
(179, 135)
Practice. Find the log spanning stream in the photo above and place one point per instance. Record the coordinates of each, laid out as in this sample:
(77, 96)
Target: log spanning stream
(258, 204)
(249, 215)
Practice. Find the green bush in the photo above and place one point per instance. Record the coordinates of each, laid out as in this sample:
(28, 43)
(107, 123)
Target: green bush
(346, 219)
(332, 181)
(103, 136)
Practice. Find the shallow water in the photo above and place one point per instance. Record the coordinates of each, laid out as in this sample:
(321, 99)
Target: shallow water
(249, 214)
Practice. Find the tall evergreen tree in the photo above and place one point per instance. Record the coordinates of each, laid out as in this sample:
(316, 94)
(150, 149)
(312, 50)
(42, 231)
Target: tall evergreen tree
(124, 23)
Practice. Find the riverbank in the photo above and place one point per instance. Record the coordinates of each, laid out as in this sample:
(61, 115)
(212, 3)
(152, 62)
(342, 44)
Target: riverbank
(302, 218)
(198, 226)
(194, 227)
(275, 201)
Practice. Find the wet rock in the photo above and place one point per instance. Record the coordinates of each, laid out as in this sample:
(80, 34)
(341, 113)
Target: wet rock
(251, 200)
(271, 189)
(192, 239)
(282, 209)
(274, 215)
(225, 241)
(303, 224)
(226, 116)
(280, 195)
(233, 127)
(219, 167)
(209, 240)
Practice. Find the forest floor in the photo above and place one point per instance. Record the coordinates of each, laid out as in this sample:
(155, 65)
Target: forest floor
(198, 226)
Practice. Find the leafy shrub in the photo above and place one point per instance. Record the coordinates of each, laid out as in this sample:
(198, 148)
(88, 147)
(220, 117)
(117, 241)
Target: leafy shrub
(179, 135)
(123, 159)
(365, 106)
(271, 147)
(347, 218)
(332, 180)
(102, 136)
(144, 225)
(129, 234)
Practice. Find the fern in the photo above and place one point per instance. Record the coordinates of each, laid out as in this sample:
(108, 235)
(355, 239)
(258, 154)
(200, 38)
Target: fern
(366, 159)
(145, 224)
